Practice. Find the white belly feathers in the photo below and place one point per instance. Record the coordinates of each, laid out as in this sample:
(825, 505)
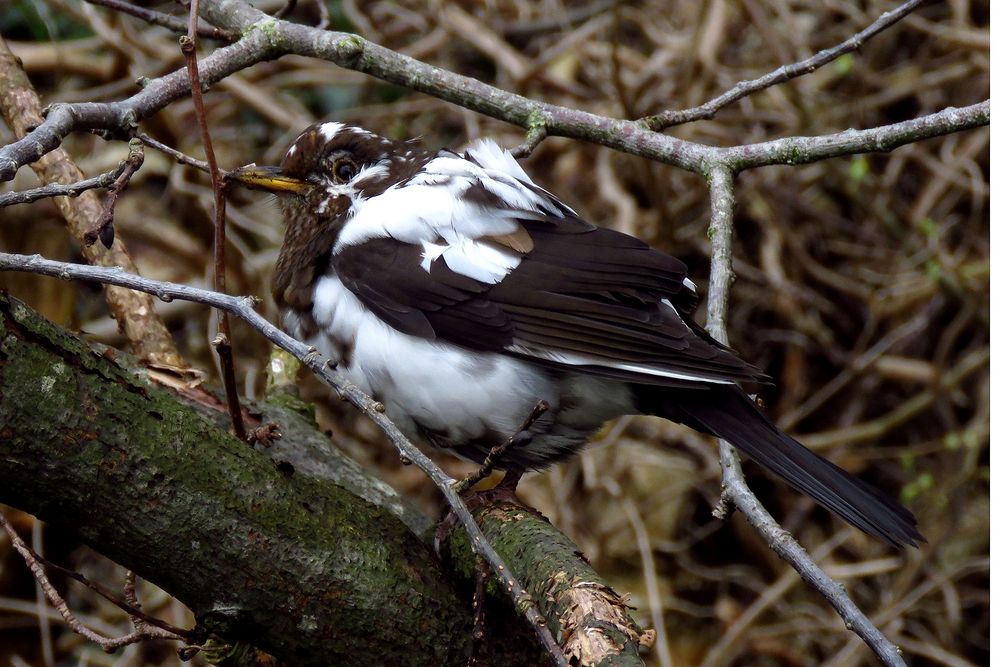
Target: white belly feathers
(434, 385)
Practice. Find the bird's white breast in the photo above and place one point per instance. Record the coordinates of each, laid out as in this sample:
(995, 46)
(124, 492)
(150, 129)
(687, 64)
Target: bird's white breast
(438, 386)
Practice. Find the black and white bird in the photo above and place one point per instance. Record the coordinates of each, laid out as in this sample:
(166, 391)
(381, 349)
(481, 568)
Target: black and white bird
(458, 293)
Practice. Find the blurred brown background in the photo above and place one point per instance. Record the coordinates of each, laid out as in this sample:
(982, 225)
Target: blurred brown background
(862, 288)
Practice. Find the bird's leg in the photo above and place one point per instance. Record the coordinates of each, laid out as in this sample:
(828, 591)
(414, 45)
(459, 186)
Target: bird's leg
(522, 437)
(502, 492)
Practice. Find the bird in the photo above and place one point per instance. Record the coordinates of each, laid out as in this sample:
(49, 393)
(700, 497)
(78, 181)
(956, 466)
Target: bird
(462, 296)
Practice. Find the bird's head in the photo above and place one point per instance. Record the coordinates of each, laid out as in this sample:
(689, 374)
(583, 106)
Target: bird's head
(327, 172)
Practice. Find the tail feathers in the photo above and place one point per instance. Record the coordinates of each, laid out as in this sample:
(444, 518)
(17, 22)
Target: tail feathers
(728, 413)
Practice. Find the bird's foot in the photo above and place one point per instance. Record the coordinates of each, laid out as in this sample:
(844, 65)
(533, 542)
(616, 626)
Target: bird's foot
(504, 492)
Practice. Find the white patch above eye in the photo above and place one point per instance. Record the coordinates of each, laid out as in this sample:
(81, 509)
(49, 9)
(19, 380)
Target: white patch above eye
(690, 285)
(329, 129)
(292, 150)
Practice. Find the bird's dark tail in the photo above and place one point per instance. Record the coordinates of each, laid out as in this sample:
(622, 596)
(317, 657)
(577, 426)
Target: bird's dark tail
(728, 413)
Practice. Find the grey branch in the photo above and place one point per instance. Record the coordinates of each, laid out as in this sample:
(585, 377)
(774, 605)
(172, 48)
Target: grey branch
(104, 180)
(782, 74)
(265, 38)
(735, 491)
(165, 20)
(243, 307)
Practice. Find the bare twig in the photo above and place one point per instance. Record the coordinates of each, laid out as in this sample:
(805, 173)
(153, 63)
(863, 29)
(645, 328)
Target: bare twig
(223, 340)
(104, 226)
(479, 612)
(243, 307)
(135, 314)
(164, 20)
(179, 157)
(108, 644)
(324, 15)
(104, 180)
(735, 491)
(496, 454)
(784, 73)
(265, 39)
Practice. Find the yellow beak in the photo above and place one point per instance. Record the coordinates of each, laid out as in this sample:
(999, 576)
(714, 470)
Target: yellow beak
(269, 179)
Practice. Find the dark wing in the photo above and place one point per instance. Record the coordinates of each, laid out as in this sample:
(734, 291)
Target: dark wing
(580, 297)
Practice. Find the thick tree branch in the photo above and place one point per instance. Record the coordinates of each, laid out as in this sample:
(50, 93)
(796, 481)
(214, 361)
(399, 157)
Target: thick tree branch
(242, 307)
(593, 622)
(95, 447)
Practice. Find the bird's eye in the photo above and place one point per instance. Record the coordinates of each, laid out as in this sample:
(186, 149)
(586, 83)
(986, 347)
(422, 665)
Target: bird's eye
(344, 170)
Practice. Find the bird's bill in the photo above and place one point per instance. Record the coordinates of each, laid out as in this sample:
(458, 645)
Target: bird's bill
(269, 179)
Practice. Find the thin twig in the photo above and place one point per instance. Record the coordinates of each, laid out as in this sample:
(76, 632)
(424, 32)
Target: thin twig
(164, 20)
(108, 644)
(496, 454)
(103, 228)
(735, 491)
(354, 52)
(479, 612)
(535, 136)
(784, 73)
(324, 15)
(243, 307)
(104, 180)
(223, 340)
(133, 610)
(182, 158)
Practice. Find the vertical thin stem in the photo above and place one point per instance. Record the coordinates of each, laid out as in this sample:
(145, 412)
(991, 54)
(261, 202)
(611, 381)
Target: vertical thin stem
(223, 341)
(734, 487)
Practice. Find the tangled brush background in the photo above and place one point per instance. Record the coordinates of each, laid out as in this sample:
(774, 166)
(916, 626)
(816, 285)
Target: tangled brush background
(862, 287)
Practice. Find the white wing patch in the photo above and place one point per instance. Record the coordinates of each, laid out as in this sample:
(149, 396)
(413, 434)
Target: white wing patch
(492, 157)
(478, 261)
(576, 359)
(432, 211)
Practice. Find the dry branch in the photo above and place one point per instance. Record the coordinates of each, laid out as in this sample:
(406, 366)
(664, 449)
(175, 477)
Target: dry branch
(134, 312)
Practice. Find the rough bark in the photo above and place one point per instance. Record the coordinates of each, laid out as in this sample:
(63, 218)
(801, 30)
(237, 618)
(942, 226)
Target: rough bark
(295, 549)
(590, 620)
(264, 553)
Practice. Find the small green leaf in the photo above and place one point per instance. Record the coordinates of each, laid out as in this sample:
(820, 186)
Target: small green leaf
(952, 441)
(928, 228)
(844, 64)
(859, 168)
(923, 482)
